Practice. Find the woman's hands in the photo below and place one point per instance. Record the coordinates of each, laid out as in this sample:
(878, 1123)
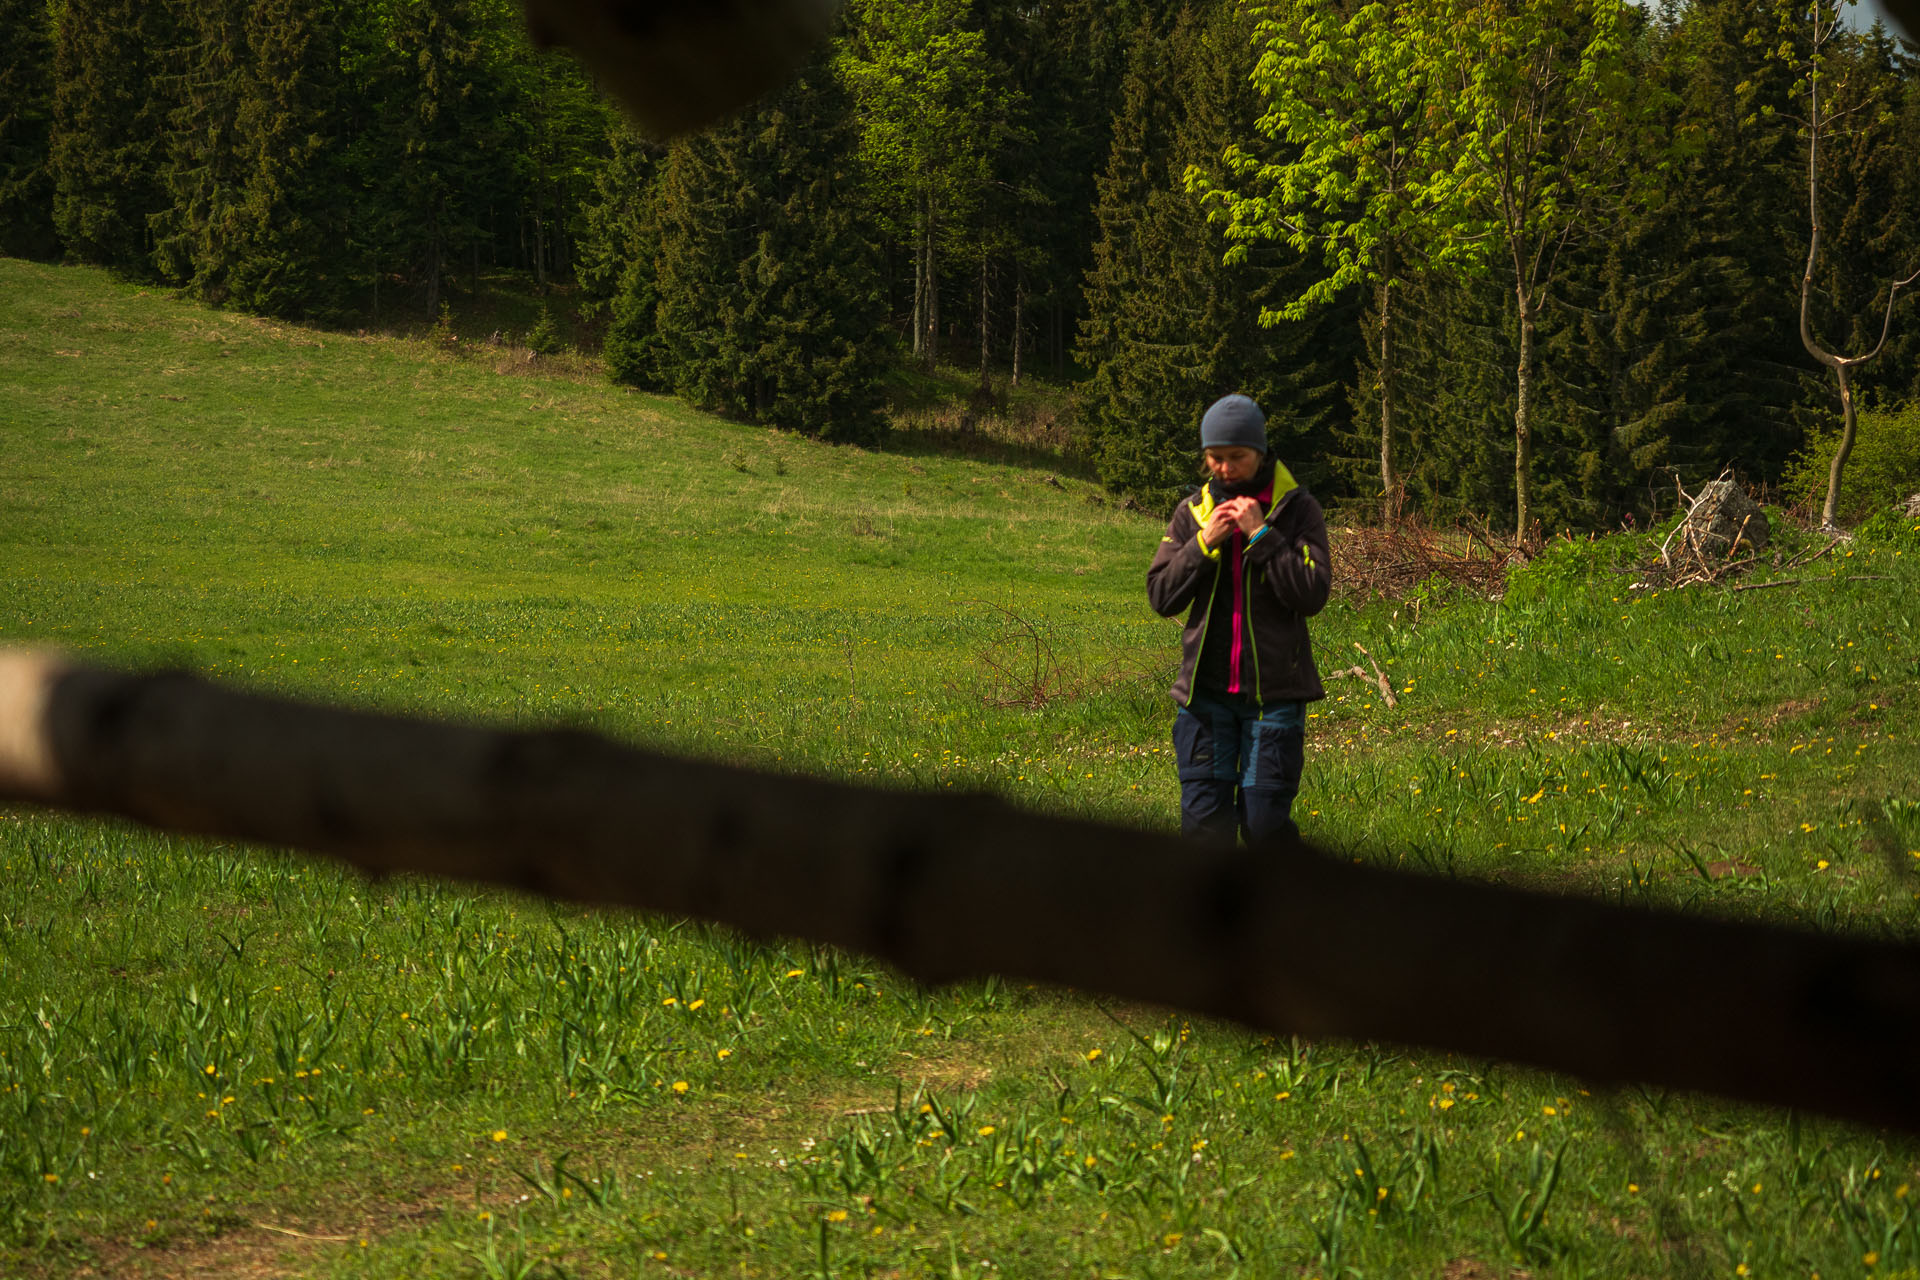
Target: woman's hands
(1246, 514)
(1220, 525)
(1235, 513)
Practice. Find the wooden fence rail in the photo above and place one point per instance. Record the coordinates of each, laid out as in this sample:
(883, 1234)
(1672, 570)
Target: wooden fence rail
(947, 886)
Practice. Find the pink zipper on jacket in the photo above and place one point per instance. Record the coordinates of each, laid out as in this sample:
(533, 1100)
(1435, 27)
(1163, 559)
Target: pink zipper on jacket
(1240, 599)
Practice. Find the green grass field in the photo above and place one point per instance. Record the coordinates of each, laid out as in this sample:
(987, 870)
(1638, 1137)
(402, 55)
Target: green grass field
(221, 1061)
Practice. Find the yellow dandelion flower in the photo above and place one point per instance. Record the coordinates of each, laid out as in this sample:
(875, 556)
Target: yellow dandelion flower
(985, 1130)
(838, 1215)
(499, 1135)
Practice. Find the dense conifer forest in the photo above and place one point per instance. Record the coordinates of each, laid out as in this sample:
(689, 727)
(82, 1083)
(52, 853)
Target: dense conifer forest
(1526, 261)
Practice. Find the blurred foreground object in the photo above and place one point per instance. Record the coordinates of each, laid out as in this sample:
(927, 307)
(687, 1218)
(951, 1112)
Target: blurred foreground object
(947, 886)
(677, 68)
(680, 67)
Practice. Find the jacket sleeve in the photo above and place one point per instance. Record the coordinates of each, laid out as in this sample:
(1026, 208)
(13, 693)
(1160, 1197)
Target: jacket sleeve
(1180, 567)
(1294, 558)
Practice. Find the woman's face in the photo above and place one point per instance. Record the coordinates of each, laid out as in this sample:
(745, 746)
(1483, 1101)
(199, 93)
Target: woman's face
(1232, 464)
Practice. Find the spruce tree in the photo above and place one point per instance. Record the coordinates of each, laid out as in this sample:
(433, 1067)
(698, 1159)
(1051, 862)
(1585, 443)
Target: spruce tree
(292, 203)
(26, 125)
(437, 140)
(1456, 388)
(1066, 61)
(1701, 288)
(1136, 411)
(1170, 327)
(617, 267)
(110, 115)
(209, 75)
(770, 305)
(618, 218)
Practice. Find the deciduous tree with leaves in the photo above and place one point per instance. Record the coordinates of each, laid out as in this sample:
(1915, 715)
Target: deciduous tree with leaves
(1837, 103)
(933, 109)
(1550, 124)
(1358, 171)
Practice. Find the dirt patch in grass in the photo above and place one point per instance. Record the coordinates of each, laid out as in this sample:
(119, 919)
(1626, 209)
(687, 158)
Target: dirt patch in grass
(291, 1236)
(277, 1242)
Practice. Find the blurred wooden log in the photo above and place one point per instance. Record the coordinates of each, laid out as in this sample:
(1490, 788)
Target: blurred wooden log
(680, 67)
(1906, 13)
(948, 886)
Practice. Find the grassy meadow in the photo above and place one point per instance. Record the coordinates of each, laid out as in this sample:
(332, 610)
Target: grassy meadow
(217, 1061)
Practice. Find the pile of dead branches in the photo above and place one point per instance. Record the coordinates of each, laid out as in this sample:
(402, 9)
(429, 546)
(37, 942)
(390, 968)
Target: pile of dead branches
(1390, 563)
(1706, 550)
(1721, 536)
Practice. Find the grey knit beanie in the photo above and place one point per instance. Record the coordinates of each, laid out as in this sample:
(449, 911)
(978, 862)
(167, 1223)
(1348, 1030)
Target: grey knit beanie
(1234, 420)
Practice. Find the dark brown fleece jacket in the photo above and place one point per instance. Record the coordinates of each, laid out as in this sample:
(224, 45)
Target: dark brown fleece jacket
(1261, 592)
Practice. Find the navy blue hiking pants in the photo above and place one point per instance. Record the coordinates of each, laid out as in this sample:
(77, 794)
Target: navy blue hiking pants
(1239, 767)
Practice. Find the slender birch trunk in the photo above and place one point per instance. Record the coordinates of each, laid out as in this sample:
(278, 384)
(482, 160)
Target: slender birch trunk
(985, 384)
(1523, 420)
(920, 282)
(1019, 296)
(933, 292)
(1389, 483)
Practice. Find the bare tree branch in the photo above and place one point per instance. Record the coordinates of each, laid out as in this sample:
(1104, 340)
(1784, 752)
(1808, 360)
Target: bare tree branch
(948, 886)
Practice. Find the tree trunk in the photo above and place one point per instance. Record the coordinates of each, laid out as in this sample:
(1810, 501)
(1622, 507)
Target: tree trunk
(1389, 486)
(920, 282)
(1019, 294)
(1055, 341)
(985, 331)
(1830, 509)
(433, 273)
(933, 298)
(1523, 422)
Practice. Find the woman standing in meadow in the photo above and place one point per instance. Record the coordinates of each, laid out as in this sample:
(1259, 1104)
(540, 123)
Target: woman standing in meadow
(1246, 554)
